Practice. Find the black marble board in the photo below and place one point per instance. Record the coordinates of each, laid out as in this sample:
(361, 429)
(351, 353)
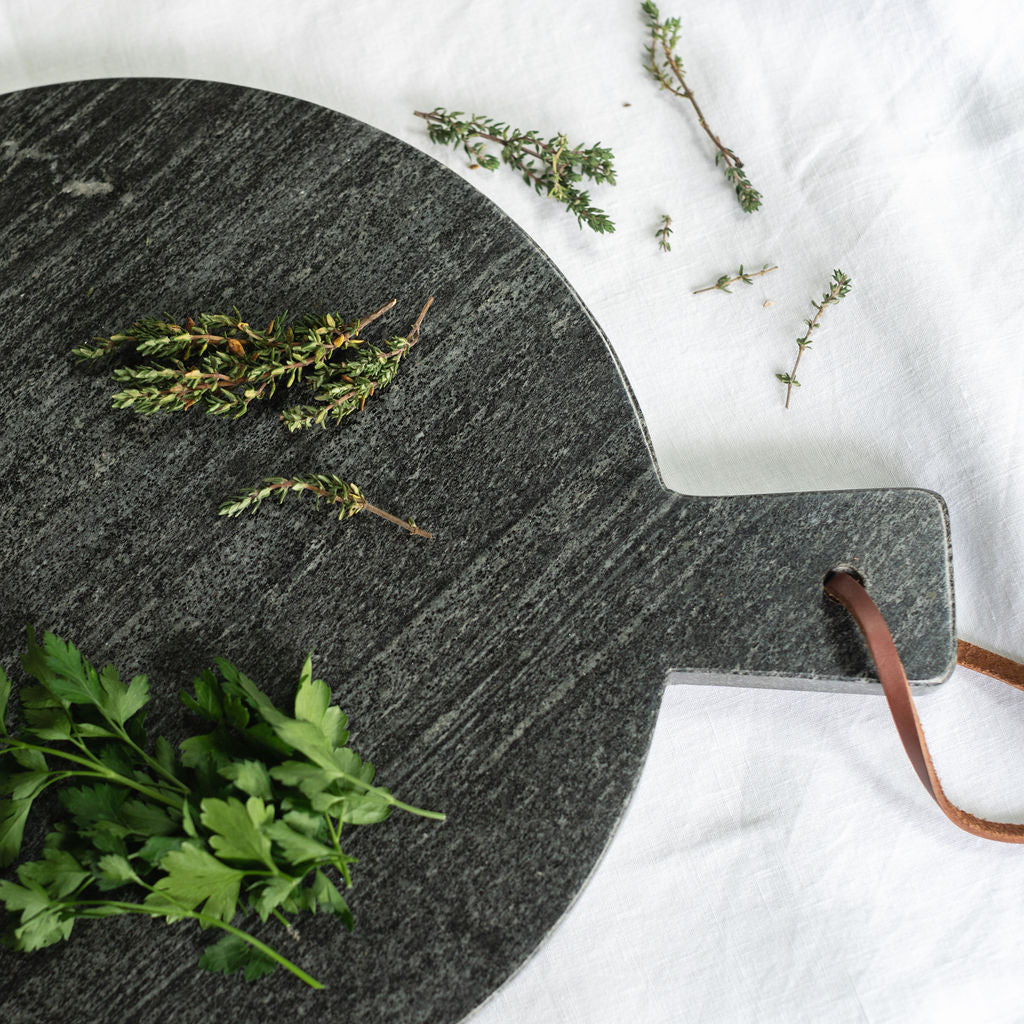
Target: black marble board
(509, 671)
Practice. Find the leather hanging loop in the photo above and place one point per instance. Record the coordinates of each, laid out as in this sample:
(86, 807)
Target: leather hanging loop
(995, 665)
(850, 593)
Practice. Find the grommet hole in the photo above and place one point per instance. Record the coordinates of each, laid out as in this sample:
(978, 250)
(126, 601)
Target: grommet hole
(849, 570)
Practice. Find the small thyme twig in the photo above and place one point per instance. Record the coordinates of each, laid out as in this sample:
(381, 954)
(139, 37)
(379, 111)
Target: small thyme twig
(221, 363)
(326, 488)
(722, 284)
(663, 232)
(551, 167)
(414, 332)
(664, 38)
(838, 289)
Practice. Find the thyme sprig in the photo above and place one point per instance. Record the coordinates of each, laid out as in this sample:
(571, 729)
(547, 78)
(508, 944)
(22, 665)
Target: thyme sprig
(722, 284)
(222, 363)
(667, 69)
(326, 488)
(550, 166)
(838, 289)
(663, 232)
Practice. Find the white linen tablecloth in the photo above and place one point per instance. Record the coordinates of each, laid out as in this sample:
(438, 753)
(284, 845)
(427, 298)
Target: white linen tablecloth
(779, 861)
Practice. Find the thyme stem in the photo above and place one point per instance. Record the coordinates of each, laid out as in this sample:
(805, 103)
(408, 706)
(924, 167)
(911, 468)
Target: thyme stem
(722, 284)
(328, 488)
(551, 167)
(687, 93)
(838, 289)
(222, 364)
(664, 38)
(663, 232)
(411, 527)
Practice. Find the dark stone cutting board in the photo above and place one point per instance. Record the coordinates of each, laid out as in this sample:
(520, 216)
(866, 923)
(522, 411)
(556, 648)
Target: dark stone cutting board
(507, 672)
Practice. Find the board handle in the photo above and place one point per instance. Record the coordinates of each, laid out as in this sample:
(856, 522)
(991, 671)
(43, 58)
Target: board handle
(761, 608)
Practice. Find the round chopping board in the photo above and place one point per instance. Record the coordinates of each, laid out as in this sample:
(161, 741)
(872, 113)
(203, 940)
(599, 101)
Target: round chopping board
(507, 672)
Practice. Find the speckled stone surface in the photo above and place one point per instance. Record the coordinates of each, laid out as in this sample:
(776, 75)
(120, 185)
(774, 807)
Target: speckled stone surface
(509, 671)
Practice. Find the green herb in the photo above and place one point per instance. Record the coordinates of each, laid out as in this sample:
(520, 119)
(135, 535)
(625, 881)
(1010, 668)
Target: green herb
(669, 73)
(326, 488)
(722, 284)
(221, 363)
(663, 232)
(552, 167)
(838, 289)
(244, 819)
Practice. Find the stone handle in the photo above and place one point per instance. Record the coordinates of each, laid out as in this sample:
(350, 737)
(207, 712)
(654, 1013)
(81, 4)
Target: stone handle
(755, 566)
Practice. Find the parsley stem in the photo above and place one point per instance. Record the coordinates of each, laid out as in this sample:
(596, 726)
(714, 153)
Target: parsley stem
(261, 946)
(122, 734)
(205, 919)
(384, 795)
(96, 770)
(151, 761)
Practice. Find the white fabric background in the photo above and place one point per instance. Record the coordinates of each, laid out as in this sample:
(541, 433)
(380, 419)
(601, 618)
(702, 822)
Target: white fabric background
(779, 862)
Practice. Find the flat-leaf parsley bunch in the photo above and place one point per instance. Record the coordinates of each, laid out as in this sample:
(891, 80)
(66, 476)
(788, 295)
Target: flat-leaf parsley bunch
(245, 818)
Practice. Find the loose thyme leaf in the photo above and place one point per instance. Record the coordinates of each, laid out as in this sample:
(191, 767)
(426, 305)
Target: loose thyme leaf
(551, 167)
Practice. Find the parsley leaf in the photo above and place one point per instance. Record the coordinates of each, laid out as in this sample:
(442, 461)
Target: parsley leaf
(232, 954)
(5, 694)
(238, 828)
(13, 814)
(250, 776)
(196, 879)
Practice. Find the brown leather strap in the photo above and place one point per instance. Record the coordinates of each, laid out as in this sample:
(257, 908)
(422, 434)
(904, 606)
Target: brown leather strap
(849, 592)
(995, 665)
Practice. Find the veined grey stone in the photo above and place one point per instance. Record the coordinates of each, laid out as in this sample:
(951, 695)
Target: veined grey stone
(509, 671)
